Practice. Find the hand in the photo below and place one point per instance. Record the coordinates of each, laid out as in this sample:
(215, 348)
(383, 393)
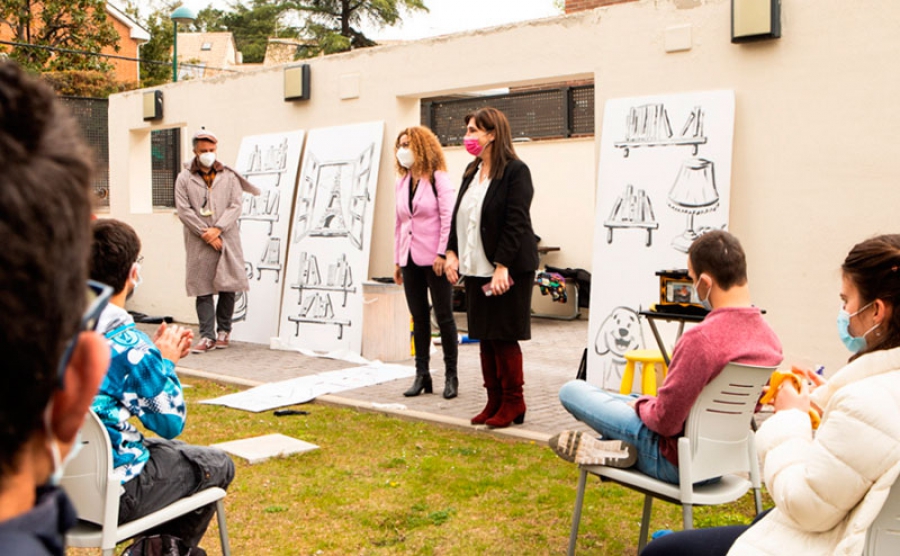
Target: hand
(398, 275)
(451, 267)
(438, 266)
(216, 244)
(187, 338)
(788, 397)
(159, 332)
(500, 280)
(211, 234)
(172, 342)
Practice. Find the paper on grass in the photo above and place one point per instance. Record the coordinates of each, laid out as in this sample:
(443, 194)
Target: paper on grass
(261, 448)
(307, 388)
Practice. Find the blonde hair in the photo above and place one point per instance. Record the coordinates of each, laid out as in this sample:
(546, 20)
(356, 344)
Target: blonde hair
(424, 144)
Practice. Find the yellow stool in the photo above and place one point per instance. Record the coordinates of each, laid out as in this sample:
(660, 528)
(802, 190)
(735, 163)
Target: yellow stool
(648, 358)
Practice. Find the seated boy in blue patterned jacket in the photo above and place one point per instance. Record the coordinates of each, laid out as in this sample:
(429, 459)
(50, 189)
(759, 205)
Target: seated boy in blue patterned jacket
(141, 382)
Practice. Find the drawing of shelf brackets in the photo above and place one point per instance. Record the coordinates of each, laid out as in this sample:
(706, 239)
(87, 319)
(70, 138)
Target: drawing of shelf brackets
(271, 259)
(648, 126)
(318, 310)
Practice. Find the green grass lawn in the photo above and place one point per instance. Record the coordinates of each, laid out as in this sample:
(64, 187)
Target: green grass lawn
(382, 485)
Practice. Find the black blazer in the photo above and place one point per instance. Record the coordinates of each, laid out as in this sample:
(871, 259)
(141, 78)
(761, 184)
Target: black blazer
(506, 231)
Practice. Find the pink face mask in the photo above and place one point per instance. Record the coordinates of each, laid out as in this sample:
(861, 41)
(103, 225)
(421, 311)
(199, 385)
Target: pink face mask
(473, 147)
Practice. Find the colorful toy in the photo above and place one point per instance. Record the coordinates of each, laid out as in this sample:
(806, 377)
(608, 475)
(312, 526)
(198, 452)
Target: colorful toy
(552, 284)
(775, 381)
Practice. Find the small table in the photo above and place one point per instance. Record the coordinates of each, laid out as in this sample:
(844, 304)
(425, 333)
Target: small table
(681, 318)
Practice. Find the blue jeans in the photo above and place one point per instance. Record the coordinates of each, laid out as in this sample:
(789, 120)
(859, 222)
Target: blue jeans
(610, 415)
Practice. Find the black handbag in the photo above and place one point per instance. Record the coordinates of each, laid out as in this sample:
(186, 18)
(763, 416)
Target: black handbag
(162, 545)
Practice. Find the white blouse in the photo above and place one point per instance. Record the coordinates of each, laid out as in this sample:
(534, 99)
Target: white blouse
(472, 260)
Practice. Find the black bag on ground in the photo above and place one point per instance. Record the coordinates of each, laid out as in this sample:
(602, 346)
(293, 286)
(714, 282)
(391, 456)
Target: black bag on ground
(162, 545)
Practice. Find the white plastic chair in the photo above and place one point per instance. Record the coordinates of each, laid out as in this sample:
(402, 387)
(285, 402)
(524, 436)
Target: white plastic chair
(94, 491)
(883, 536)
(718, 442)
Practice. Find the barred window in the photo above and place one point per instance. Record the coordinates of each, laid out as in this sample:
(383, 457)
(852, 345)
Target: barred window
(165, 152)
(533, 114)
(92, 117)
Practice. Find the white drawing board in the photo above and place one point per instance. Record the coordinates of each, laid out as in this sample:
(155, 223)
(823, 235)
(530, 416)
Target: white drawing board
(664, 178)
(270, 162)
(330, 239)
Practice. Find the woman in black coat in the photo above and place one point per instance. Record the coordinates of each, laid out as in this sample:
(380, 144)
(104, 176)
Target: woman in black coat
(493, 245)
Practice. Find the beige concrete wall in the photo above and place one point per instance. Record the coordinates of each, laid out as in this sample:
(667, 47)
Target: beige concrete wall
(815, 148)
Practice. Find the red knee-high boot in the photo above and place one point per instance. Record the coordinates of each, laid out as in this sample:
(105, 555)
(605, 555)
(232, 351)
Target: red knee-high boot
(491, 384)
(509, 369)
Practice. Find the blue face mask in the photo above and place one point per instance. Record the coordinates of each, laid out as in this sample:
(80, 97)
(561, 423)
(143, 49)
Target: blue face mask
(705, 302)
(854, 343)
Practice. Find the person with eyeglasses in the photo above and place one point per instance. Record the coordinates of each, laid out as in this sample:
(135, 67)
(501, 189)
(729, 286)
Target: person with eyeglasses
(141, 382)
(52, 362)
(209, 200)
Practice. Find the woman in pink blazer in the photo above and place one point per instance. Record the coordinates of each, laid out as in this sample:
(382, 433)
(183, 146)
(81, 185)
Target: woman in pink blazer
(424, 206)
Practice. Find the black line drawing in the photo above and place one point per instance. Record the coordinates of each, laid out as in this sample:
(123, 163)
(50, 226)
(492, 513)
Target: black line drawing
(263, 208)
(340, 210)
(240, 307)
(648, 126)
(619, 333)
(693, 192)
(632, 210)
(318, 308)
(271, 259)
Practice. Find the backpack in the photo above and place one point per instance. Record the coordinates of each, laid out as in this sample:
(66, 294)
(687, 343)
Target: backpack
(162, 545)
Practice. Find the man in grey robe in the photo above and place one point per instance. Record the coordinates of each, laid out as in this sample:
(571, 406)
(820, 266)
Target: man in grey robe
(208, 196)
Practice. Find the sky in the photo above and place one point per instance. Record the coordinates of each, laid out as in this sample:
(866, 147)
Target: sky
(444, 16)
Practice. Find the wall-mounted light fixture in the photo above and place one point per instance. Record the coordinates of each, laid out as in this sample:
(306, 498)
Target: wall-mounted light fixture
(153, 105)
(755, 20)
(296, 82)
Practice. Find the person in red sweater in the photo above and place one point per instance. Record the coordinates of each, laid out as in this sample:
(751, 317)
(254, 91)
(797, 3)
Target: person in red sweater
(644, 431)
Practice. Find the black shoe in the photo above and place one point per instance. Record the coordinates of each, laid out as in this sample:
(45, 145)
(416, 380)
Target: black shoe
(422, 383)
(451, 387)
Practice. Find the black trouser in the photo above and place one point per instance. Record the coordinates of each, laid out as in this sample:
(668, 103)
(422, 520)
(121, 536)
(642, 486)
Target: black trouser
(714, 541)
(176, 470)
(215, 315)
(417, 282)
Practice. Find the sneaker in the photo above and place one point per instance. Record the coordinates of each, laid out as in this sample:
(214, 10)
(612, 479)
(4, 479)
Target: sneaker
(204, 345)
(584, 449)
(222, 340)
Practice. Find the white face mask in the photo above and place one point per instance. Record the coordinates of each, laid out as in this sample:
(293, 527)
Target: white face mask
(405, 157)
(137, 280)
(207, 159)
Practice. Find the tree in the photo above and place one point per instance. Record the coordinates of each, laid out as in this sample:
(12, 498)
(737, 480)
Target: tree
(334, 24)
(253, 25)
(58, 24)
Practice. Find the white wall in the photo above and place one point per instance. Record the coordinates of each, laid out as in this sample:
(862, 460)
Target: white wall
(816, 135)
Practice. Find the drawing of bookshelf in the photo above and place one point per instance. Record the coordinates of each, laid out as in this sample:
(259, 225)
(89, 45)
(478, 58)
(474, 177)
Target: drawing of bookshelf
(648, 126)
(271, 259)
(318, 308)
(632, 210)
(263, 208)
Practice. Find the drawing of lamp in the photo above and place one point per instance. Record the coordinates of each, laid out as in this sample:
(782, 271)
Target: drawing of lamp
(694, 192)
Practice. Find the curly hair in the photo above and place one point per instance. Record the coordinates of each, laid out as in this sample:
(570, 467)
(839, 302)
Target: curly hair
(426, 148)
